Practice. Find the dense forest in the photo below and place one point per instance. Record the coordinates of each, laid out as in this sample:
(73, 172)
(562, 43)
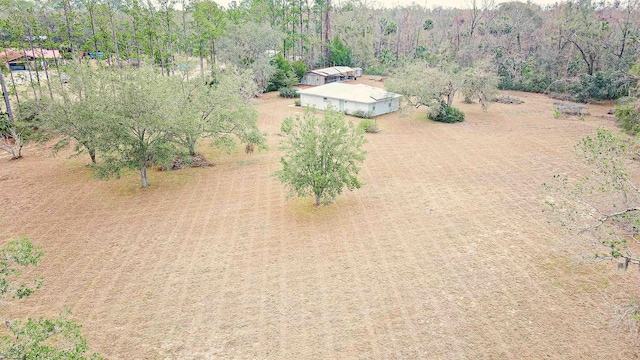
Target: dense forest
(581, 46)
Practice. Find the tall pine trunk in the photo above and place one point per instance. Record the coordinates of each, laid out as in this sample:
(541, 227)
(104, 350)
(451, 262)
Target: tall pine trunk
(67, 19)
(46, 71)
(93, 32)
(5, 95)
(171, 64)
(115, 37)
(327, 28)
(135, 41)
(33, 52)
(33, 87)
(55, 60)
(201, 48)
(13, 81)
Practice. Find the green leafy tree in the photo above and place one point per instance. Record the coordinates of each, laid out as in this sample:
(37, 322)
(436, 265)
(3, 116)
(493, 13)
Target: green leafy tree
(428, 25)
(53, 339)
(628, 114)
(16, 134)
(603, 204)
(422, 85)
(322, 155)
(628, 118)
(140, 131)
(284, 77)
(248, 45)
(211, 23)
(299, 68)
(477, 83)
(436, 87)
(340, 53)
(78, 112)
(221, 110)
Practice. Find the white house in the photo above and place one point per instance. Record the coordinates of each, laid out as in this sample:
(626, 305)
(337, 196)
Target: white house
(331, 74)
(351, 98)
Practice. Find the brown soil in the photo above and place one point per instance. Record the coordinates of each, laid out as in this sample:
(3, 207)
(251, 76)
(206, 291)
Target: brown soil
(443, 253)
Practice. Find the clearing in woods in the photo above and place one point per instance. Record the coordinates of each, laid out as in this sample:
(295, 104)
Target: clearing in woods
(443, 253)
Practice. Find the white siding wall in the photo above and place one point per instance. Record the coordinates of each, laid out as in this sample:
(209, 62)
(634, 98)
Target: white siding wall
(312, 101)
(321, 103)
(351, 107)
(384, 107)
(379, 108)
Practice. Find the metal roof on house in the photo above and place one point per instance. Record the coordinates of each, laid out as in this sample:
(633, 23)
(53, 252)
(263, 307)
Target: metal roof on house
(330, 71)
(13, 57)
(351, 92)
(37, 53)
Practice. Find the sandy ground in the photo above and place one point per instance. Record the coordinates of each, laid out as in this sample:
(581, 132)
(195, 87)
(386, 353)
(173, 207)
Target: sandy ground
(443, 253)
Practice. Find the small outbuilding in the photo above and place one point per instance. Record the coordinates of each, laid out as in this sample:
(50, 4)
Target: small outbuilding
(328, 75)
(351, 99)
(17, 61)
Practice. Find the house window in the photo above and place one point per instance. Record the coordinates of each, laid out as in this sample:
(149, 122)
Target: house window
(325, 99)
(389, 104)
(373, 108)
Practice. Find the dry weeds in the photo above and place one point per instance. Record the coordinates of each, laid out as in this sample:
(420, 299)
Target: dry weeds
(444, 252)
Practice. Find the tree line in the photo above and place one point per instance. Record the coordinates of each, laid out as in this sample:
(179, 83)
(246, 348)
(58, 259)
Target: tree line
(580, 46)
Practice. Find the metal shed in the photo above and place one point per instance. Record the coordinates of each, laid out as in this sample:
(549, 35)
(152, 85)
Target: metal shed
(351, 98)
(331, 74)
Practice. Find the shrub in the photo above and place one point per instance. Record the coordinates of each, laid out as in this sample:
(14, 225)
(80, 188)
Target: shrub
(299, 68)
(296, 103)
(626, 100)
(362, 114)
(447, 114)
(602, 85)
(378, 70)
(628, 119)
(289, 92)
(284, 77)
(368, 126)
(5, 124)
(530, 79)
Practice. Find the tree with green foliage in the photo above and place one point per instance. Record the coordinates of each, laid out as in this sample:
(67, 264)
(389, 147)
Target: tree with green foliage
(140, 131)
(16, 133)
(322, 155)
(628, 116)
(436, 87)
(422, 85)
(220, 110)
(79, 110)
(284, 77)
(604, 203)
(248, 46)
(340, 53)
(628, 113)
(211, 23)
(52, 339)
(601, 208)
(299, 68)
(474, 82)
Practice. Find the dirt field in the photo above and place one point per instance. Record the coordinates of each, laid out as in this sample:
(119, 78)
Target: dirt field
(443, 253)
